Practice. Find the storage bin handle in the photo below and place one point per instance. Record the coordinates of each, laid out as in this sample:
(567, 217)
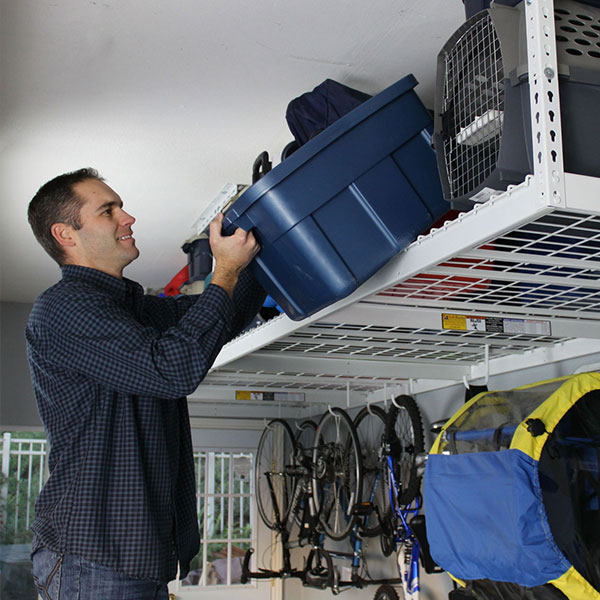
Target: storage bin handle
(262, 165)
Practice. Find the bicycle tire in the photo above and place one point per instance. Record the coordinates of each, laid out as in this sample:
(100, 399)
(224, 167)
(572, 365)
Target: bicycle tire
(271, 461)
(370, 425)
(404, 433)
(386, 592)
(337, 473)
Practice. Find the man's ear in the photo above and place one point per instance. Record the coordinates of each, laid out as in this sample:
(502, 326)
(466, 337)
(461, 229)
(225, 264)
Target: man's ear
(62, 233)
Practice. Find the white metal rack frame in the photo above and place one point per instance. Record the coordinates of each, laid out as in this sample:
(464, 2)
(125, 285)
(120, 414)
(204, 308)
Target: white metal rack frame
(515, 281)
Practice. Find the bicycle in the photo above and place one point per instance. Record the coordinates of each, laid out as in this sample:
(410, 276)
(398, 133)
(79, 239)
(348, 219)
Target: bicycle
(402, 527)
(317, 494)
(360, 482)
(359, 500)
(318, 489)
(276, 474)
(392, 450)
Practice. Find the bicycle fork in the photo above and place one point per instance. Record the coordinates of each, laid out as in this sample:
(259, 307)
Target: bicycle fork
(408, 567)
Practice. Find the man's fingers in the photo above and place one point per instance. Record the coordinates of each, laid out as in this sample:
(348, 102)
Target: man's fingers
(241, 233)
(216, 225)
(256, 245)
(237, 249)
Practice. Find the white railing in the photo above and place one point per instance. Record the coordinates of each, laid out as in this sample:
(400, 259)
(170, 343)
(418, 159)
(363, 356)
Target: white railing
(24, 466)
(225, 508)
(224, 503)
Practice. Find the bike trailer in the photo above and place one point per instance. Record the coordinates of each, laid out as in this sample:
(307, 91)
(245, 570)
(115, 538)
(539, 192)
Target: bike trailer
(512, 492)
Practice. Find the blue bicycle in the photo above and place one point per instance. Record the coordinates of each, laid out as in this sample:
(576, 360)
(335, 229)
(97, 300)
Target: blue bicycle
(392, 445)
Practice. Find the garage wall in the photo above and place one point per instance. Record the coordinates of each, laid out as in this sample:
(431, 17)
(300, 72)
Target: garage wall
(18, 409)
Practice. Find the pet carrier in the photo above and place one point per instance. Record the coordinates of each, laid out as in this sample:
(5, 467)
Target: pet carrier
(512, 491)
(482, 113)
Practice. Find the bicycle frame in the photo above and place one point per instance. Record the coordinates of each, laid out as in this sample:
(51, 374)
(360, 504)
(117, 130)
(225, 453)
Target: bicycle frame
(408, 562)
(355, 557)
(283, 528)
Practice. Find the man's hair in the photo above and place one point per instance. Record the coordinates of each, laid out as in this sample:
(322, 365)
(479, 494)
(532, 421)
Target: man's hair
(56, 202)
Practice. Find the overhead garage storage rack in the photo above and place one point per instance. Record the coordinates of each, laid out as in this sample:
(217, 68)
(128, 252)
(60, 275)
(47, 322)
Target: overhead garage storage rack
(513, 283)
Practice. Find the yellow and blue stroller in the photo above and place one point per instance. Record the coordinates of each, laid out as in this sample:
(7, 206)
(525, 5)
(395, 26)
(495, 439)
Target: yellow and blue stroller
(512, 493)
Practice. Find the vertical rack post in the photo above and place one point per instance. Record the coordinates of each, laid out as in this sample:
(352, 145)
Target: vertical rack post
(544, 102)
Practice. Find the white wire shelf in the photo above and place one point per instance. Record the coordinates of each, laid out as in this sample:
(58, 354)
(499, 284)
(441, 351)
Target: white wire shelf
(533, 286)
(513, 283)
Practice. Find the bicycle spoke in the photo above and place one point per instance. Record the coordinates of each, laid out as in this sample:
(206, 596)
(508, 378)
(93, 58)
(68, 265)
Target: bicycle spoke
(337, 478)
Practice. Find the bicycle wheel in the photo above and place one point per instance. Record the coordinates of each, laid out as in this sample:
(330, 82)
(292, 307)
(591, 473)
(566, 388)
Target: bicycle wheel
(386, 592)
(370, 427)
(404, 433)
(337, 476)
(274, 489)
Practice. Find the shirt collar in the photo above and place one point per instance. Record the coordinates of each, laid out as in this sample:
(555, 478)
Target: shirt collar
(123, 290)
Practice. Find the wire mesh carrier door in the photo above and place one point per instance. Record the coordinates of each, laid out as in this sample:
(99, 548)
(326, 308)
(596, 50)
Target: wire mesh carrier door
(512, 492)
(482, 127)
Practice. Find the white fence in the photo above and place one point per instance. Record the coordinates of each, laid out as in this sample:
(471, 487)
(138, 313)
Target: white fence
(24, 470)
(225, 506)
(225, 501)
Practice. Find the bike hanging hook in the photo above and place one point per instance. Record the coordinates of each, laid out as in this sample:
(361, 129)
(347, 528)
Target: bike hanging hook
(369, 409)
(395, 403)
(487, 364)
(486, 359)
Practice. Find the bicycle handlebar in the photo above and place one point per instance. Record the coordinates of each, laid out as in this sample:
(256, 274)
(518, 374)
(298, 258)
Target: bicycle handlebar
(247, 574)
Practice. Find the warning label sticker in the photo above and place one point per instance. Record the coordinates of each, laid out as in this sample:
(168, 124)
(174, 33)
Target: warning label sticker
(269, 396)
(495, 324)
(248, 395)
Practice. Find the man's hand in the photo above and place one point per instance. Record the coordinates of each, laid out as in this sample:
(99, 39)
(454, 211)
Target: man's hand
(232, 254)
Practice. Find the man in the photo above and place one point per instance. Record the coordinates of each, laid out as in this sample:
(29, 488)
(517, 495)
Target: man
(110, 369)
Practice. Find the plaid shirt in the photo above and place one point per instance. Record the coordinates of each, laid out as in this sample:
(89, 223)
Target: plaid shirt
(110, 369)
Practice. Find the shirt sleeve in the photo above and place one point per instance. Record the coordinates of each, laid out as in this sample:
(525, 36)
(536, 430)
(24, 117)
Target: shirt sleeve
(89, 335)
(248, 297)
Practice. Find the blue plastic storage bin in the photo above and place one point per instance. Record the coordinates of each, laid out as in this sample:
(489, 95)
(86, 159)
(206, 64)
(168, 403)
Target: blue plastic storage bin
(345, 203)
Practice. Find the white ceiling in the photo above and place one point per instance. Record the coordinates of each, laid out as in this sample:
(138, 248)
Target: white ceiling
(171, 99)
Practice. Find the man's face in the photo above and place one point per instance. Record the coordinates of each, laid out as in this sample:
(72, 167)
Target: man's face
(105, 240)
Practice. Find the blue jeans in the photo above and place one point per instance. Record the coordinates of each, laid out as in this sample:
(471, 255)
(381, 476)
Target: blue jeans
(70, 577)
